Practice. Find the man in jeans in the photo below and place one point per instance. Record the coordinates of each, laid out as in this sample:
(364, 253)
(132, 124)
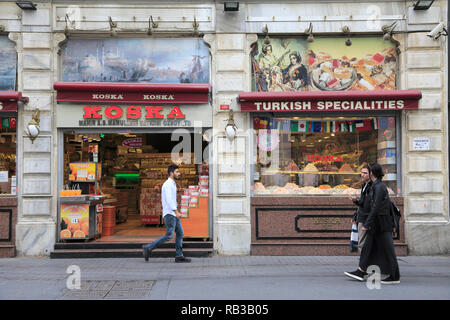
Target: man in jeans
(171, 217)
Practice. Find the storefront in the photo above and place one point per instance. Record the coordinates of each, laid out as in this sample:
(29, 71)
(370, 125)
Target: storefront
(330, 47)
(116, 141)
(8, 170)
(313, 136)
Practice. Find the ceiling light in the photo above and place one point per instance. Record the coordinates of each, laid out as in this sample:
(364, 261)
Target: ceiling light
(26, 5)
(423, 4)
(231, 6)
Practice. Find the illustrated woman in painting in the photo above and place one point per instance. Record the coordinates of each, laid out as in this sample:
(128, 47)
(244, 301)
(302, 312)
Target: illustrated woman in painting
(296, 74)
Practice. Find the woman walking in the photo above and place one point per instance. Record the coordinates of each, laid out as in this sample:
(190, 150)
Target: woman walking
(378, 248)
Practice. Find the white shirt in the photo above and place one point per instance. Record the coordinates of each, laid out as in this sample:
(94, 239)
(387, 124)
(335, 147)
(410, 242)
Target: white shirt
(169, 197)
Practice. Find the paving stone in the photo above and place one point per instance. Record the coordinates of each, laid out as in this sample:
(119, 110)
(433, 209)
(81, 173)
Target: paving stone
(128, 294)
(84, 294)
(133, 284)
(97, 284)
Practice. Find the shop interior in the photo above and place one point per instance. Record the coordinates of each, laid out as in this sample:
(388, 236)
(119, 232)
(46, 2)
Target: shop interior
(128, 170)
(8, 138)
(324, 160)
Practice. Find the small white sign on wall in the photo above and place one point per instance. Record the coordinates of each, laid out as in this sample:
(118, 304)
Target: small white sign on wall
(421, 144)
(3, 176)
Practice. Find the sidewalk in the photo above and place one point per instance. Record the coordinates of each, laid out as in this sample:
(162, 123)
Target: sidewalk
(219, 278)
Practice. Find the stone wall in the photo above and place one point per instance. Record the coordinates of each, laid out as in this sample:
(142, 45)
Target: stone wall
(426, 172)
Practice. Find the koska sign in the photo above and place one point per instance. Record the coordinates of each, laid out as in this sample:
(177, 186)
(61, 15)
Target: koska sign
(329, 101)
(94, 92)
(131, 112)
(132, 116)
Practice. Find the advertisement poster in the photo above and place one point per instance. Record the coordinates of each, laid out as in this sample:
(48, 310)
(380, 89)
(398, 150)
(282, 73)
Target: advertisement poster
(8, 58)
(83, 171)
(74, 221)
(326, 64)
(117, 60)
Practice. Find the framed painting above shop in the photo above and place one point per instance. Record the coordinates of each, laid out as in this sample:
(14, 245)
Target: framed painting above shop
(327, 64)
(117, 60)
(8, 65)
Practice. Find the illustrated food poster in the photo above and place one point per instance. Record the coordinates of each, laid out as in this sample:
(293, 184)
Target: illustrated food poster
(326, 64)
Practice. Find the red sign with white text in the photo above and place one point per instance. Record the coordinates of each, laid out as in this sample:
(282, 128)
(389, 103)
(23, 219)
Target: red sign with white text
(131, 112)
(132, 93)
(330, 101)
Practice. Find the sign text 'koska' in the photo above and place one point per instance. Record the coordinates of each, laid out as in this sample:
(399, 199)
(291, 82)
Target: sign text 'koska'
(131, 112)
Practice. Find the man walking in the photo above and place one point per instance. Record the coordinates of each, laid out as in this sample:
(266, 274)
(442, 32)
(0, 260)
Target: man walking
(363, 204)
(171, 217)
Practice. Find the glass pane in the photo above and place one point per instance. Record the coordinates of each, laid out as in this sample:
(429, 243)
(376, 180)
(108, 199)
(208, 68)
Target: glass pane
(8, 155)
(321, 156)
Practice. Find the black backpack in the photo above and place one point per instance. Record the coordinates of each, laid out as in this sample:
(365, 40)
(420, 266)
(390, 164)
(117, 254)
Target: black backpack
(395, 215)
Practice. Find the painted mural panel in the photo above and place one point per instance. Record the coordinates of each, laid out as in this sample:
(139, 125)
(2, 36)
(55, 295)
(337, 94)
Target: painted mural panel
(136, 60)
(8, 65)
(327, 64)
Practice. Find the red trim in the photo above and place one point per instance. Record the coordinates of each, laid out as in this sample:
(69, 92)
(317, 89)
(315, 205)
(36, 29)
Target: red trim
(9, 100)
(249, 100)
(131, 92)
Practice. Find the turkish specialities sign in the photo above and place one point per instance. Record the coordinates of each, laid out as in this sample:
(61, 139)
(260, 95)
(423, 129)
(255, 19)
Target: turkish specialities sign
(133, 116)
(326, 105)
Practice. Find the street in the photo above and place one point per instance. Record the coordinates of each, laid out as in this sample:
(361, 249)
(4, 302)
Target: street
(217, 278)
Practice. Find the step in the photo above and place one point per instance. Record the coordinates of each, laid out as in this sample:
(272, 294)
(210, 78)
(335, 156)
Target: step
(128, 245)
(126, 253)
(312, 249)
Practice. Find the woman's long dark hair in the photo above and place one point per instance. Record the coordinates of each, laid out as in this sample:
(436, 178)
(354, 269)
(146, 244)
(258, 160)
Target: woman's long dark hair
(377, 171)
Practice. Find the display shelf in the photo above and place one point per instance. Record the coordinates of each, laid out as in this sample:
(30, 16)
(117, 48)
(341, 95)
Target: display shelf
(390, 160)
(390, 177)
(386, 145)
(319, 172)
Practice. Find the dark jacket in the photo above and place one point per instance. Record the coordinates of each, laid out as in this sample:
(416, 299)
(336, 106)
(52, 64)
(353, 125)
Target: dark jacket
(379, 218)
(363, 203)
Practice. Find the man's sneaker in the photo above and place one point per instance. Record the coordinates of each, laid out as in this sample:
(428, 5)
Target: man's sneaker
(145, 252)
(390, 280)
(358, 275)
(182, 259)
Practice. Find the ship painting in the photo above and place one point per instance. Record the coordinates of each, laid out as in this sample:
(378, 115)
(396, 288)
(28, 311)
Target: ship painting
(117, 60)
(8, 58)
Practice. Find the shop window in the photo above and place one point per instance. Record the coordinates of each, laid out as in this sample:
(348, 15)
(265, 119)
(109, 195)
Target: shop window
(8, 154)
(8, 57)
(117, 60)
(321, 156)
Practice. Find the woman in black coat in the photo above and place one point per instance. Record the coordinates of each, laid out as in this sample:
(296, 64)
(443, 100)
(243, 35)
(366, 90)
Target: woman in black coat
(378, 248)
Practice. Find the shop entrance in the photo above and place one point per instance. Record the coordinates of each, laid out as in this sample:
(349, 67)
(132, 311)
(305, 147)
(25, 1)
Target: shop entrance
(128, 170)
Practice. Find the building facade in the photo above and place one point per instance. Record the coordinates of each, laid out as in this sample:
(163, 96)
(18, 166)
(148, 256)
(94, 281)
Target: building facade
(420, 134)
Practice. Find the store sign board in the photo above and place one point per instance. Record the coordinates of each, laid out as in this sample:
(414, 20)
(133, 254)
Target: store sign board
(135, 116)
(331, 101)
(141, 93)
(131, 97)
